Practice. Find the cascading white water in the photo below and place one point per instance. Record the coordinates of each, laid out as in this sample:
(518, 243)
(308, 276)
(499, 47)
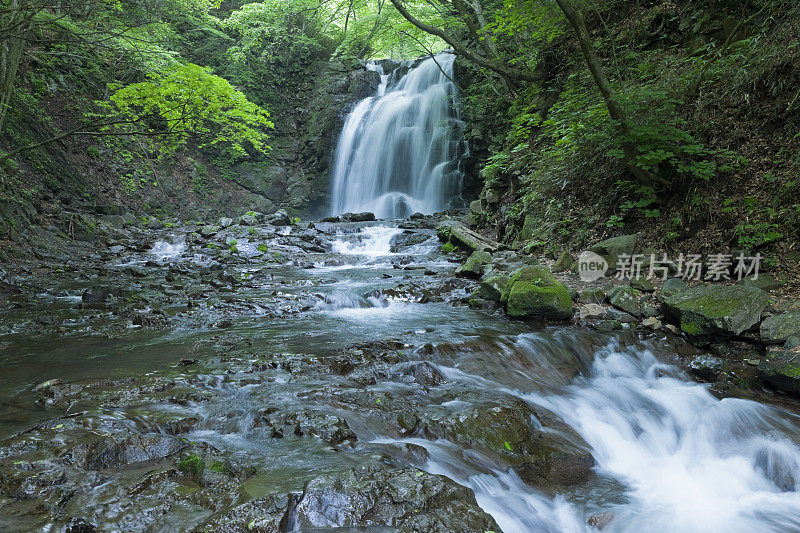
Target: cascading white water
(398, 152)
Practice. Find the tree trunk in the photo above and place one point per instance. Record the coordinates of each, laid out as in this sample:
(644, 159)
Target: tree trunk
(614, 110)
(11, 47)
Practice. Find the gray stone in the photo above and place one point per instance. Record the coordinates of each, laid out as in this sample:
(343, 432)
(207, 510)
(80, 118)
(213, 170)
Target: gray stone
(778, 328)
(592, 311)
(780, 368)
(673, 285)
(279, 218)
(248, 220)
(475, 265)
(592, 296)
(154, 224)
(765, 282)
(791, 343)
(715, 310)
(611, 249)
(624, 299)
(225, 222)
(492, 286)
(652, 323)
(208, 231)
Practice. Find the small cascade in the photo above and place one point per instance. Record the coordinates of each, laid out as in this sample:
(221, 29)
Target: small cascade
(399, 150)
(164, 251)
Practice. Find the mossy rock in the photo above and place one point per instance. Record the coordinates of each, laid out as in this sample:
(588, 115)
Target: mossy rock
(715, 310)
(475, 265)
(563, 263)
(780, 368)
(777, 329)
(492, 286)
(533, 291)
(611, 249)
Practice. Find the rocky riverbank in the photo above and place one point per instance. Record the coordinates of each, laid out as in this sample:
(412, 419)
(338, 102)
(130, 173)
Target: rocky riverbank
(270, 374)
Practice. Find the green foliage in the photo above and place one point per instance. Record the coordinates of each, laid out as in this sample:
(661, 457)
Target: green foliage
(189, 101)
(449, 248)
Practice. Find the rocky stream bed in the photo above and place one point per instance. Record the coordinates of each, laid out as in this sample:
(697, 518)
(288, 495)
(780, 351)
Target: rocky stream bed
(264, 375)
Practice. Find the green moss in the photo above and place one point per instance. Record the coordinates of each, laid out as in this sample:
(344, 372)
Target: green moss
(534, 291)
(263, 248)
(192, 466)
(449, 248)
(691, 328)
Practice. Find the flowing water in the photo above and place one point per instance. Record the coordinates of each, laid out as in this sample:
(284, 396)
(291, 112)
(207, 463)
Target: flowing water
(399, 150)
(667, 455)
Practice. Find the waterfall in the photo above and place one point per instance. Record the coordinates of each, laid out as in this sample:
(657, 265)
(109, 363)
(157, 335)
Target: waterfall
(399, 150)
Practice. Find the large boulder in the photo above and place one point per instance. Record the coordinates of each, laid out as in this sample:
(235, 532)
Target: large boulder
(780, 368)
(776, 329)
(533, 291)
(611, 249)
(475, 265)
(715, 310)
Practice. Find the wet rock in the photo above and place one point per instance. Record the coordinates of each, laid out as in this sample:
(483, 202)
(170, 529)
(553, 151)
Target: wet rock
(225, 222)
(425, 373)
(792, 342)
(715, 310)
(475, 265)
(780, 368)
(607, 326)
(404, 499)
(778, 328)
(117, 249)
(407, 239)
(624, 299)
(534, 292)
(118, 450)
(706, 367)
(611, 249)
(79, 525)
(492, 286)
(600, 520)
(621, 316)
(99, 294)
(359, 217)
(263, 515)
